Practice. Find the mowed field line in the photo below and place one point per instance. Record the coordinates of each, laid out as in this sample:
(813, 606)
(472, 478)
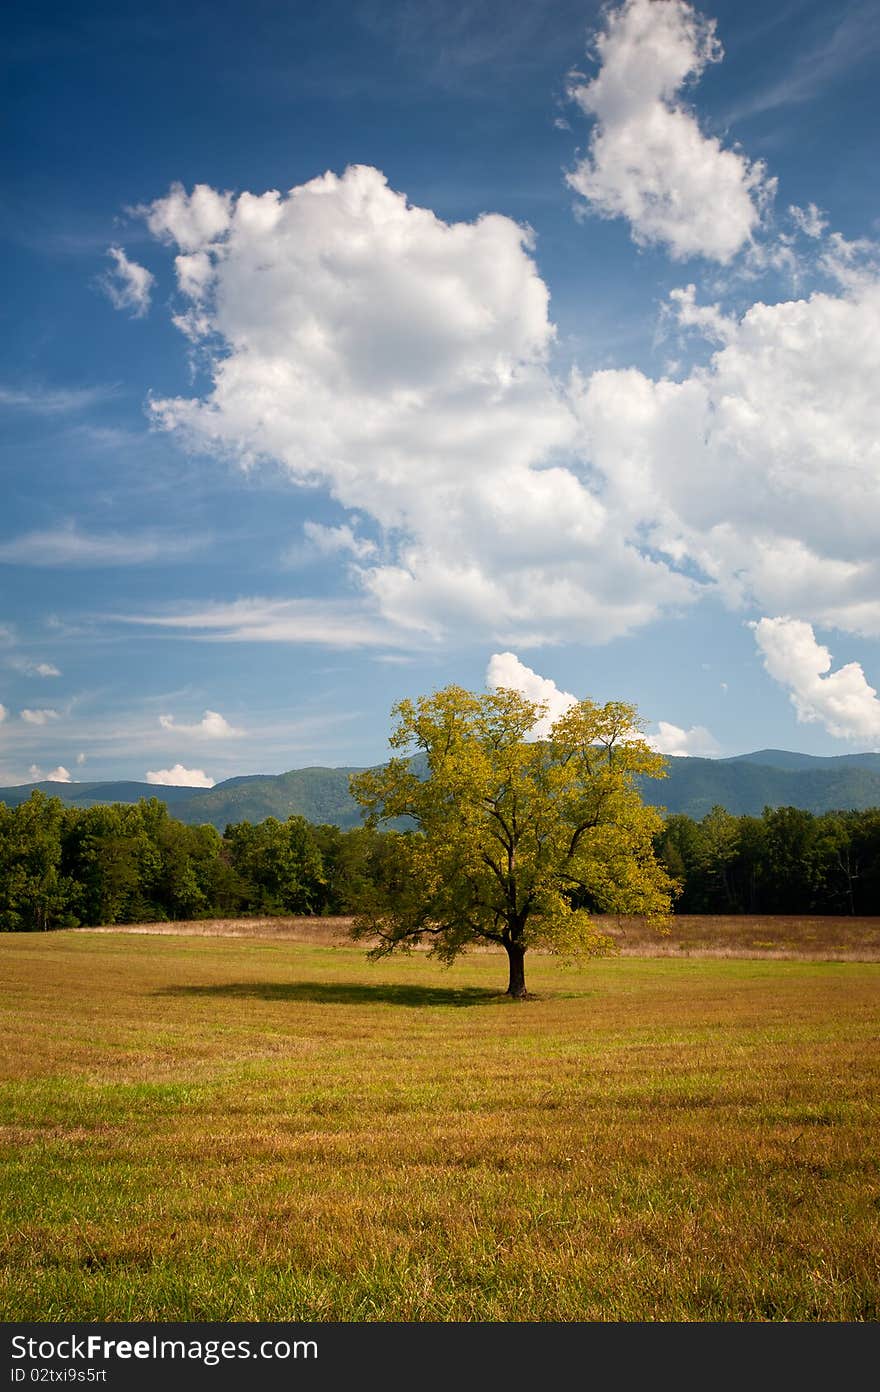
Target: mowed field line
(229, 1129)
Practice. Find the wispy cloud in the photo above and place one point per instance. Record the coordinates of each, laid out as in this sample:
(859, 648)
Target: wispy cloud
(66, 545)
(34, 669)
(853, 40)
(329, 623)
(329, 541)
(127, 284)
(54, 401)
(450, 40)
(39, 717)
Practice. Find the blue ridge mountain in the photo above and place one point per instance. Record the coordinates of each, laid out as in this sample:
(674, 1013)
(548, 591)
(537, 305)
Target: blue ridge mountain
(744, 785)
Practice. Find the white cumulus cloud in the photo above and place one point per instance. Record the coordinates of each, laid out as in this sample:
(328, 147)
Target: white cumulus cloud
(402, 362)
(194, 221)
(648, 160)
(506, 670)
(697, 742)
(212, 725)
(842, 701)
(57, 775)
(127, 284)
(180, 777)
(759, 469)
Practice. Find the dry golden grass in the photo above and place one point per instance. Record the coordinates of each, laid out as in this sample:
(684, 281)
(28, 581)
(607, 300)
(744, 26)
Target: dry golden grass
(318, 931)
(257, 1128)
(777, 936)
(800, 937)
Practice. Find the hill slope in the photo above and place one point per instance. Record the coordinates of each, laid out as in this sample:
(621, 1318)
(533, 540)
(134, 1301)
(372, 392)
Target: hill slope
(91, 794)
(745, 784)
(694, 786)
(788, 759)
(318, 794)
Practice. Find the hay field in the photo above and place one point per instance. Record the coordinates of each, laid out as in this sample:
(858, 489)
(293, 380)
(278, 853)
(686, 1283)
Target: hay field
(792, 937)
(199, 1127)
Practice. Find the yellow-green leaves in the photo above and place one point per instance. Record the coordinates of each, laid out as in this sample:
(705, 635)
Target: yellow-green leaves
(515, 841)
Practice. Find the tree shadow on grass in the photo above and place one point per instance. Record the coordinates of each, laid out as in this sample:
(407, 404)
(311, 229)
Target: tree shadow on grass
(340, 993)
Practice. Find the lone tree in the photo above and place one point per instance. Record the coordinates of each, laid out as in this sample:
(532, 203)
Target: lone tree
(517, 841)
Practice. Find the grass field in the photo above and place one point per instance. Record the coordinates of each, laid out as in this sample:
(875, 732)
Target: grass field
(204, 1127)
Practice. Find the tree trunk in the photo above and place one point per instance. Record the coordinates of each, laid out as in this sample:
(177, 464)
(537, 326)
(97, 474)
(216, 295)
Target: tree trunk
(516, 956)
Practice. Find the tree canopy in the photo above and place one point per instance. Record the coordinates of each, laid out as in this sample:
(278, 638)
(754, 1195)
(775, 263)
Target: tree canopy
(516, 841)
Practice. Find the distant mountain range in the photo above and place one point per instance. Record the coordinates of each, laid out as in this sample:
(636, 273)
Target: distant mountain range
(745, 784)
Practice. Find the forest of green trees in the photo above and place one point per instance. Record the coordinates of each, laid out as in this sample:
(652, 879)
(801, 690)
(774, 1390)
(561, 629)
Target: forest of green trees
(132, 863)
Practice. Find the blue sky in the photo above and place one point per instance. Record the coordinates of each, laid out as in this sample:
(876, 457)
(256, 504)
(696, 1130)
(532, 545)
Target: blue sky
(355, 349)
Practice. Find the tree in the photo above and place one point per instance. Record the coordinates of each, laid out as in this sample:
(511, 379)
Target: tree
(720, 834)
(279, 863)
(111, 857)
(34, 893)
(681, 849)
(516, 841)
(353, 865)
(792, 851)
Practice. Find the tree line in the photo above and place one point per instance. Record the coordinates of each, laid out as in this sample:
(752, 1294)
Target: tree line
(62, 867)
(787, 861)
(133, 863)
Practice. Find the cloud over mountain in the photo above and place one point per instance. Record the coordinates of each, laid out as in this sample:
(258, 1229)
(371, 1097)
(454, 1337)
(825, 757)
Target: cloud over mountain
(842, 701)
(697, 742)
(181, 777)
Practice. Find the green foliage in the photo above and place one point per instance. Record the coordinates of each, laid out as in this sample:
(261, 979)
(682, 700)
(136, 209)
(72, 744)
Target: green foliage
(123, 863)
(357, 865)
(129, 863)
(112, 860)
(280, 863)
(787, 861)
(517, 840)
(34, 893)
